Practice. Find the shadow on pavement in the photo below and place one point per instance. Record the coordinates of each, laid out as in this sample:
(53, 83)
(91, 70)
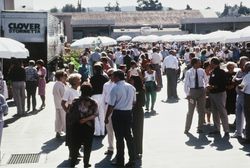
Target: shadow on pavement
(199, 142)
(16, 117)
(11, 103)
(221, 143)
(52, 145)
(9, 121)
(106, 162)
(64, 164)
(97, 143)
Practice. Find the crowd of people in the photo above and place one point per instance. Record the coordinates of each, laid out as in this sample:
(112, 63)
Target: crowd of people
(119, 85)
(115, 87)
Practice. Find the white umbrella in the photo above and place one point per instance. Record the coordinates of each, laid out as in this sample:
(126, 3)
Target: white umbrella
(234, 37)
(84, 42)
(166, 38)
(88, 42)
(124, 38)
(106, 41)
(152, 39)
(217, 36)
(140, 39)
(10, 48)
(244, 36)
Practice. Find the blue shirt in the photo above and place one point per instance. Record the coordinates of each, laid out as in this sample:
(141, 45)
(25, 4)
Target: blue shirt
(122, 96)
(84, 70)
(95, 57)
(31, 73)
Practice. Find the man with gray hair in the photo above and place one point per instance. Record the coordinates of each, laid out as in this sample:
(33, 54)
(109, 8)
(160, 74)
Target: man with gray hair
(170, 67)
(120, 104)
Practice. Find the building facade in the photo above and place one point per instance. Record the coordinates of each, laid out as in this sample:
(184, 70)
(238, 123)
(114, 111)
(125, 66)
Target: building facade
(208, 25)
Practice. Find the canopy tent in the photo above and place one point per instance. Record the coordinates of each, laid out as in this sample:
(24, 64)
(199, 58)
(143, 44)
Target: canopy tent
(89, 42)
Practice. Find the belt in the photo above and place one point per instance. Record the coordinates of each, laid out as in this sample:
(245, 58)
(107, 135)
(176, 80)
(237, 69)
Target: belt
(198, 88)
(122, 110)
(171, 68)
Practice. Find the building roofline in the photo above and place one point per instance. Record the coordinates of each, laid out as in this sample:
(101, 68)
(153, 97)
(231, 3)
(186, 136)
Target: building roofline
(215, 20)
(22, 11)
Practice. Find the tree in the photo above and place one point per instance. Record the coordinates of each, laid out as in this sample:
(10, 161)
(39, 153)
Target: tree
(149, 5)
(72, 8)
(115, 8)
(69, 8)
(225, 11)
(235, 10)
(54, 10)
(188, 7)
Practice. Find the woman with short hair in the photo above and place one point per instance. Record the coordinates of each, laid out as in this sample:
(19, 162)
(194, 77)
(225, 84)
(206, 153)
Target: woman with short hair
(82, 121)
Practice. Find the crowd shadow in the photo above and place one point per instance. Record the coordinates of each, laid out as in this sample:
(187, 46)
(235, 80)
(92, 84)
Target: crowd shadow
(198, 143)
(52, 145)
(97, 143)
(219, 142)
(11, 103)
(64, 164)
(9, 121)
(149, 114)
(105, 162)
(245, 148)
(16, 117)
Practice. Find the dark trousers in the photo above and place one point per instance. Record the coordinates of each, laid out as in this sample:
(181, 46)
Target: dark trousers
(171, 83)
(83, 134)
(31, 93)
(122, 124)
(247, 114)
(138, 121)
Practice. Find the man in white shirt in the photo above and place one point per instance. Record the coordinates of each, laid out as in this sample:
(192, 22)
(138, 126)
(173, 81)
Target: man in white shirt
(245, 84)
(120, 104)
(107, 87)
(194, 86)
(156, 60)
(170, 67)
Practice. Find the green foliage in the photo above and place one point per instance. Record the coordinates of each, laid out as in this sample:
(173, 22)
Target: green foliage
(115, 8)
(72, 8)
(54, 10)
(188, 7)
(235, 10)
(149, 5)
(73, 57)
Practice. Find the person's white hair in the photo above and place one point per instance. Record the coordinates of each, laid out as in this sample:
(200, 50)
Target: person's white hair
(73, 77)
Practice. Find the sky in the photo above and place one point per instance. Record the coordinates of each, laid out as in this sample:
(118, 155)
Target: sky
(217, 5)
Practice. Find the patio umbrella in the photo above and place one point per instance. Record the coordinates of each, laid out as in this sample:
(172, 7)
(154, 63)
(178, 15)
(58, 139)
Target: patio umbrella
(88, 42)
(10, 48)
(152, 38)
(124, 38)
(139, 39)
(214, 37)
